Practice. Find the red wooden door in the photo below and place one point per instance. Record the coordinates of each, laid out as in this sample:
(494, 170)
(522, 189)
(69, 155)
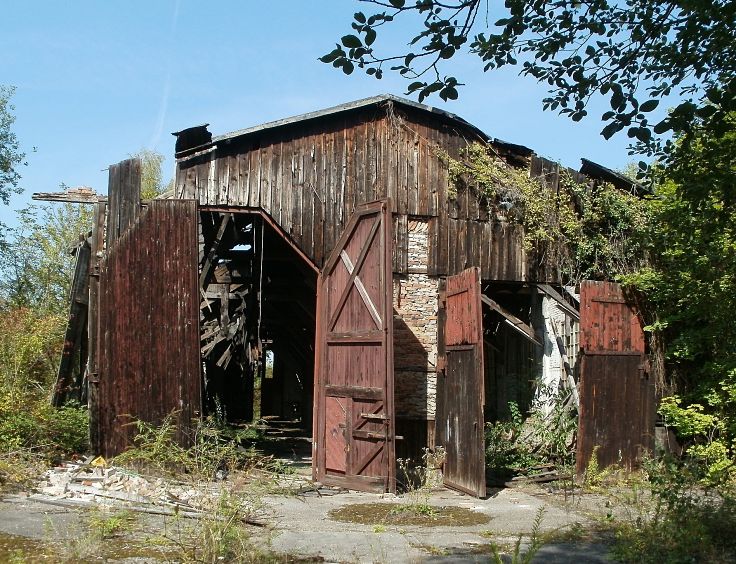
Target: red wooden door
(354, 411)
(617, 410)
(460, 390)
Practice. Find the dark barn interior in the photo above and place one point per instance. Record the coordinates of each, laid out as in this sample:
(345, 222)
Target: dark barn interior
(511, 350)
(257, 309)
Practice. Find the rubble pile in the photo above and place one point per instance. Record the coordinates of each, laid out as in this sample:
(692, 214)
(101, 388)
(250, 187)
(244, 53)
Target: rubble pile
(93, 482)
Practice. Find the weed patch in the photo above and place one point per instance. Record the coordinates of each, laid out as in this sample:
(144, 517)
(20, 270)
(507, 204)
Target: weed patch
(517, 555)
(673, 518)
(212, 453)
(383, 514)
(529, 445)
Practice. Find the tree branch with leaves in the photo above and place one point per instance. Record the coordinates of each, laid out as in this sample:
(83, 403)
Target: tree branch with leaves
(11, 157)
(636, 54)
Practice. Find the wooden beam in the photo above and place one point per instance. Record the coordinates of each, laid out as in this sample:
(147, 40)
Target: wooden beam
(75, 325)
(93, 403)
(561, 303)
(79, 195)
(569, 379)
(276, 227)
(521, 327)
(208, 265)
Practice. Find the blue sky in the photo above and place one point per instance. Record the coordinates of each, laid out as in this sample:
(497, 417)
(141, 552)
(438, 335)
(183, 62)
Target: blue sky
(96, 81)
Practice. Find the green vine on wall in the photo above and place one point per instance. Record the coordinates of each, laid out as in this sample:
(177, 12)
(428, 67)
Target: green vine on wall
(580, 231)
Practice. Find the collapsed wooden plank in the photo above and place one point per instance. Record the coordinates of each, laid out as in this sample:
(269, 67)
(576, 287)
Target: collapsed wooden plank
(79, 195)
(209, 262)
(521, 327)
(75, 325)
(561, 302)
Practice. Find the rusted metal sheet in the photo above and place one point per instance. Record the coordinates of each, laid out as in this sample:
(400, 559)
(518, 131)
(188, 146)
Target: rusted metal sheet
(460, 386)
(617, 411)
(354, 413)
(148, 357)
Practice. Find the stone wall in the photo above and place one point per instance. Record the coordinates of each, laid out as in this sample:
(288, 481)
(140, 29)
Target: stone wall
(415, 330)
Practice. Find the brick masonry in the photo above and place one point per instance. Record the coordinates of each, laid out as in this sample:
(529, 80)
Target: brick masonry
(415, 330)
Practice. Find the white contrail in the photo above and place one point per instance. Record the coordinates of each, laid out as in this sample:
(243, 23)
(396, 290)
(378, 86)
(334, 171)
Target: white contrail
(158, 130)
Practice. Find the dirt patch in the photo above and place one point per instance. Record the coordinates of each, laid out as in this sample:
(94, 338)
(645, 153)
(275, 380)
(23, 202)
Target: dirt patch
(406, 514)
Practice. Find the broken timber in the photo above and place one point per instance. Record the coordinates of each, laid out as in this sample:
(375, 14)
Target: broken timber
(570, 380)
(75, 325)
(512, 320)
(561, 302)
(81, 195)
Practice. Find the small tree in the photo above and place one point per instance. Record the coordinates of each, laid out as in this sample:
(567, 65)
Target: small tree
(152, 183)
(11, 156)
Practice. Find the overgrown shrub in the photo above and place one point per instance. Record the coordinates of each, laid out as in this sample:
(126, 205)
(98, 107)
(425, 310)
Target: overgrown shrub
(581, 231)
(41, 428)
(30, 344)
(156, 448)
(31, 431)
(506, 453)
(686, 522)
(521, 445)
(708, 430)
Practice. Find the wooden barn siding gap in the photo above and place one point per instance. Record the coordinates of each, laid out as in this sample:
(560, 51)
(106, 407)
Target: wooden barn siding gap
(149, 373)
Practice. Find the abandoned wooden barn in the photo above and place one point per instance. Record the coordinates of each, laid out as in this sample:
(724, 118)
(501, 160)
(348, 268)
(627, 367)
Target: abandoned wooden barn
(398, 315)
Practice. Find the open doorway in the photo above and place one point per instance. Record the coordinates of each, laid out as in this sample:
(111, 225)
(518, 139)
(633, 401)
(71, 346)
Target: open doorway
(257, 325)
(512, 349)
(495, 349)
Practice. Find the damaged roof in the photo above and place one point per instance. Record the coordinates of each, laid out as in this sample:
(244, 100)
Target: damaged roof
(333, 111)
(194, 139)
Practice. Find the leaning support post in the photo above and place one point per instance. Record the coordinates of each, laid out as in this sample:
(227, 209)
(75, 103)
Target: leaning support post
(568, 369)
(74, 327)
(97, 242)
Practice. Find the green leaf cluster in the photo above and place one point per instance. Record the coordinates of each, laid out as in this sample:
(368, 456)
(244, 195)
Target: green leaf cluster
(11, 157)
(581, 231)
(690, 289)
(36, 263)
(633, 54)
(152, 183)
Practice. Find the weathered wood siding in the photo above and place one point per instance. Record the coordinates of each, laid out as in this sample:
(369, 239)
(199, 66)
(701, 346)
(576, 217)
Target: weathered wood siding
(149, 325)
(617, 407)
(459, 422)
(310, 176)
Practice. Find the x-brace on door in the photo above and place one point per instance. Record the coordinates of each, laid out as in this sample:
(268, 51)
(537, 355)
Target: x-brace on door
(354, 412)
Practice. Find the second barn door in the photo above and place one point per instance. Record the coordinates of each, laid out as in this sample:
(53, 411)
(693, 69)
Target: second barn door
(460, 390)
(354, 410)
(617, 401)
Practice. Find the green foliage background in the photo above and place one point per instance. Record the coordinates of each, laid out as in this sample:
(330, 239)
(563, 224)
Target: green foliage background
(36, 269)
(690, 286)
